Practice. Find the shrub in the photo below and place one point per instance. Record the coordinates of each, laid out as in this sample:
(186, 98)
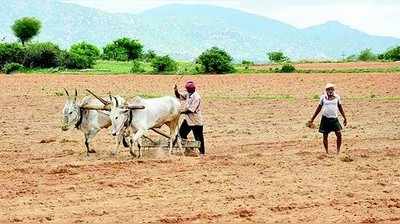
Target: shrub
(367, 55)
(287, 68)
(74, 61)
(85, 49)
(245, 62)
(43, 55)
(12, 67)
(164, 64)
(149, 56)
(216, 60)
(277, 57)
(11, 52)
(137, 67)
(26, 28)
(123, 49)
(392, 54)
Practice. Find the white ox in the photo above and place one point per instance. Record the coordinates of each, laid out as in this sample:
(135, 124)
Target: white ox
(143, 114)
(86, 118)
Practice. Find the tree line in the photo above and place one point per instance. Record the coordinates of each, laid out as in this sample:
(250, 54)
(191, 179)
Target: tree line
(26, 54)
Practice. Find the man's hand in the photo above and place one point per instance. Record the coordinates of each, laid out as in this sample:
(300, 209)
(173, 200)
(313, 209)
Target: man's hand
(345, 122)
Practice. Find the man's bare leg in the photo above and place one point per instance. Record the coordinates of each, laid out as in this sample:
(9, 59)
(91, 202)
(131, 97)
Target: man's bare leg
(338, 141)
(325, 140)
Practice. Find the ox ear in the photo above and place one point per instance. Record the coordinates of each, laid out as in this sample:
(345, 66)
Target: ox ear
(66, 91)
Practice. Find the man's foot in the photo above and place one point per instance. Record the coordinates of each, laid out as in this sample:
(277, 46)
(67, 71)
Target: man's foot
(202, 156)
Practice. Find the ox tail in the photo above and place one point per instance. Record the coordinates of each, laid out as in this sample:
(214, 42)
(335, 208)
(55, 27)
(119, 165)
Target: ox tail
(125, 142)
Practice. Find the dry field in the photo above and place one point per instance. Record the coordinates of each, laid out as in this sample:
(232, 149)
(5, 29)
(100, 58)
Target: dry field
(263, 164)
(339, 66)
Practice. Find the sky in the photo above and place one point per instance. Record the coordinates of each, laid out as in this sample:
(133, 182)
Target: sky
(377, 17)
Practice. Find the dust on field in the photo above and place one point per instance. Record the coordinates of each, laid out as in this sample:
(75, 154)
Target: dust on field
(263, 165)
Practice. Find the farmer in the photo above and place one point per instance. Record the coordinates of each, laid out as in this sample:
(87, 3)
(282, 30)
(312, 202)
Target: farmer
(330, 104)
(193, 120)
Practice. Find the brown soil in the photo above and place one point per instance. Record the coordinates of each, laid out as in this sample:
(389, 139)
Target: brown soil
(349, 65)
(263, 164)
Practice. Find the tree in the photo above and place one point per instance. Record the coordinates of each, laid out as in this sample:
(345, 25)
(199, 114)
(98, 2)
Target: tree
(392, 54)
(123, 49)
(277, 56)
(26, 28)
(367, 55)
(216, 60)
(164, 64)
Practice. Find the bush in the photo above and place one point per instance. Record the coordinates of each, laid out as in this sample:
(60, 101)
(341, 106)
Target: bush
(74, 61)
(12, 67)
(123, 49)
(26, 28)
(164, 64)
(137, 67)
(277, 57)
(85, 49)
(367, 55)
(287, 68)
(392, 54)
(216, 60)
(11, 52)
(149, 56)
(43, 55)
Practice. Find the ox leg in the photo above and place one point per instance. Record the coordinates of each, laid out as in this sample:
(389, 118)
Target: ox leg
(135, 141)
(173, 127)
(118, 140)
(88, 138)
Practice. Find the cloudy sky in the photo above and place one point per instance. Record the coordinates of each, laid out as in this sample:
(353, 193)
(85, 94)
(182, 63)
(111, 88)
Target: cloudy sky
(379, 17)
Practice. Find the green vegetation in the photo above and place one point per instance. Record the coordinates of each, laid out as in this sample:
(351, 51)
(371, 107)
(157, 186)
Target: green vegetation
(26, 28)
(126, 56)
(12, 67)
(123, 49)
(163, 64)
(287, 68)
(11, 52)
(392, 54)
(216, 60)
(367, 55)
(42, 55)
(277, 57)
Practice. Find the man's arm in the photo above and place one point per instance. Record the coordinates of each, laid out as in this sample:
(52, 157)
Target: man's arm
(342, 112)
(177, 94)
(316, 113)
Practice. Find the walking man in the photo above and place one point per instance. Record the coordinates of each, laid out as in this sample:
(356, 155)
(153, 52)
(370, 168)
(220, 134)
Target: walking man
(193, 120)
(330, 105)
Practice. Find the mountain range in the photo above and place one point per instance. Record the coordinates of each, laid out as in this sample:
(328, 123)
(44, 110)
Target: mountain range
(184, 31)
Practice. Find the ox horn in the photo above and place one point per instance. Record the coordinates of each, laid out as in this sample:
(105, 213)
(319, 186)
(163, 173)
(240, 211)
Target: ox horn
(105, 102)
(76, 94)
(66, 91)
(136, 107)
(116, 101)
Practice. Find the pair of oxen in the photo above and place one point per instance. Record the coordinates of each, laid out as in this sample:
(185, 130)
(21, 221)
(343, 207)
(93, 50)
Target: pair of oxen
(129, 120)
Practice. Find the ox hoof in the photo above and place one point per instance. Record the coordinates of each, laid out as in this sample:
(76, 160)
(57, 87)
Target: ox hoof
(92, 151)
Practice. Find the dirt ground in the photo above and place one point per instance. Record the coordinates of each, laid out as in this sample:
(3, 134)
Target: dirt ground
(262, 166)
(347, 65)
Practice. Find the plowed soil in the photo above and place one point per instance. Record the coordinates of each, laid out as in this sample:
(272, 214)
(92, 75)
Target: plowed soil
(262, 165)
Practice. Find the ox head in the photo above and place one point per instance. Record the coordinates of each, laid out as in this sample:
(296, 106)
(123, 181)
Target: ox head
(71, 111)
(119, 115)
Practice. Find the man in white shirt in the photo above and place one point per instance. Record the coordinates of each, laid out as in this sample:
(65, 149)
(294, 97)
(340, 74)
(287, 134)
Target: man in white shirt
(330, 105)
(193, 119)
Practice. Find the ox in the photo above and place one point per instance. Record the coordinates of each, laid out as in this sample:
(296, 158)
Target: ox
(86, 117)
(141, 115)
